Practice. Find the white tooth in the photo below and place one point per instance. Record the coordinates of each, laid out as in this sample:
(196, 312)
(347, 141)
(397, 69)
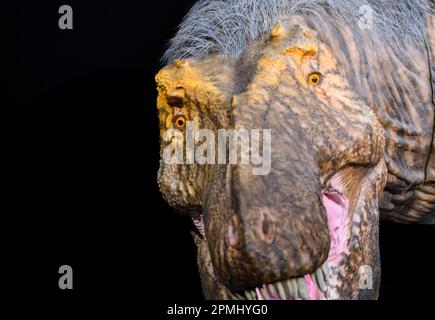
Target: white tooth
(272, 290)
(295, 288)
(265, 294)
(281, 290)
(232, 296)
(246, 294)
(320, 280)
(250, 294)
(289, 288)
(240, 297)
(258, 294)
(302, 286)
(325, 269)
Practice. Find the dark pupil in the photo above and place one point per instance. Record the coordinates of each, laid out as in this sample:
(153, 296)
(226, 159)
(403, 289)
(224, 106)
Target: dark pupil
(180, 122)
(314, 79)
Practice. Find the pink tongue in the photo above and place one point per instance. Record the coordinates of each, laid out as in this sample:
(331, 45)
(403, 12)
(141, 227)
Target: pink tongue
(337, 225)
(259, 296)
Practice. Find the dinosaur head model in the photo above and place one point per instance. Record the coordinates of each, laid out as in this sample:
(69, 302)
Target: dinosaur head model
(288, 206)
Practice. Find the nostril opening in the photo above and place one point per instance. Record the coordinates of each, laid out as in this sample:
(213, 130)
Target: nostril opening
(267, 227)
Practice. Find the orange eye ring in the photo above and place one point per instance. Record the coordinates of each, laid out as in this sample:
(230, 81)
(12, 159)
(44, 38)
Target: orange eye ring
(180, 122)
(314, 78)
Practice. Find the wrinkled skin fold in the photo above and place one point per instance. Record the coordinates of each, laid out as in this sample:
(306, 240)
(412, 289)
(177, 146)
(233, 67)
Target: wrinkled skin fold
(309, 228)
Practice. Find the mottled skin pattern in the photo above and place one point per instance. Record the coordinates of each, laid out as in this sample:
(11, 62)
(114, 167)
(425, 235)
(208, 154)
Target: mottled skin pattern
(369, 121)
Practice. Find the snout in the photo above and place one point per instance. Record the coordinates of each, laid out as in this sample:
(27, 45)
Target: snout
(267, 228)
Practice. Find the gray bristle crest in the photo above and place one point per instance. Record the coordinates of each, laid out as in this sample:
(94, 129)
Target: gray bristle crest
(227, 26)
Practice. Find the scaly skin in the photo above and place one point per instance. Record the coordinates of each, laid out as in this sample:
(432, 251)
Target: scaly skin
(269, 228)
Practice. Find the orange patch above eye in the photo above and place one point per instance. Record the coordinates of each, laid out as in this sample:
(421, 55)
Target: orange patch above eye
(300, 53)
(180, 122)
(314, 78)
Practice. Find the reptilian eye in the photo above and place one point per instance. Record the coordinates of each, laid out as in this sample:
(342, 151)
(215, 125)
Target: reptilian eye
(180, 122)
(314, 78)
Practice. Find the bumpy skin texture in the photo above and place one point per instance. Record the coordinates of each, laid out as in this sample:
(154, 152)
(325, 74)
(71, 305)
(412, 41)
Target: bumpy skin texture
(369, 122)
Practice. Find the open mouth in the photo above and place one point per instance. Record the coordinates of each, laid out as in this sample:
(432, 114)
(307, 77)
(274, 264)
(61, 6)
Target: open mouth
(309, 287)
(313, 286)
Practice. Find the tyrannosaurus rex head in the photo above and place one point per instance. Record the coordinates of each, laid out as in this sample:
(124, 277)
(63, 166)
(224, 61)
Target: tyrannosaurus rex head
(283, 180)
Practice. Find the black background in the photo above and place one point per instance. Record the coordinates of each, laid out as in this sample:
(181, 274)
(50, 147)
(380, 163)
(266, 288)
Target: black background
(81, 148)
